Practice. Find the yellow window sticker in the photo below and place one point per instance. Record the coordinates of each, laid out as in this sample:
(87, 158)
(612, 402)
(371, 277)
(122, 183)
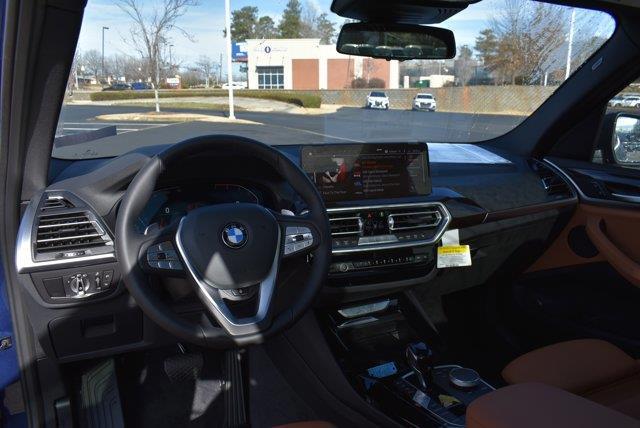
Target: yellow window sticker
(453, 256)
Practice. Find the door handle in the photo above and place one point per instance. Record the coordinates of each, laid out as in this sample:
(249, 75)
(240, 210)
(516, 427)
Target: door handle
(622, 263)
(626, 198)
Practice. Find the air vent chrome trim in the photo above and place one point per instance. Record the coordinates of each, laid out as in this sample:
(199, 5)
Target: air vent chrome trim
(392, 225)
(60, 201)
(444, 223)
(27, 232)
(355, 232)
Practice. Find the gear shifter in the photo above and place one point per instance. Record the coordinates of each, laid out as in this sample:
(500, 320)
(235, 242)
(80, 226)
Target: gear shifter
(421, 360)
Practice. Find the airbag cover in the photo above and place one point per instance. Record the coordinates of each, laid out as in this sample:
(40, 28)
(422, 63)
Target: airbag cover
(241, 261)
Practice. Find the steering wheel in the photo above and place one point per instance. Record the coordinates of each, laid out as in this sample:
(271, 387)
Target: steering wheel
(228, 251)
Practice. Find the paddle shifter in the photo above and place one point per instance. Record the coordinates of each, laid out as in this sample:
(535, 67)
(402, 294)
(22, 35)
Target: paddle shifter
(421, 360)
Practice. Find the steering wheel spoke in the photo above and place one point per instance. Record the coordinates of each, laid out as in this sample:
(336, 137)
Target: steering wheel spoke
(219, 301)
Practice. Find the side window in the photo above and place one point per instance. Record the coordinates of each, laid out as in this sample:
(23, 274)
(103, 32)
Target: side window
(622, 125)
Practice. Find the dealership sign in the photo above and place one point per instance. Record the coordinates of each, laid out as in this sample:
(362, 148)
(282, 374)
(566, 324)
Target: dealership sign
(239, 51)
(268, 49)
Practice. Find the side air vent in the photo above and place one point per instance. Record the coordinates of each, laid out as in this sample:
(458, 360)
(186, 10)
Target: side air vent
(553, 183)
(414, 219)
(345, 225)
(55, 202)
(69, 231)
(61, 230)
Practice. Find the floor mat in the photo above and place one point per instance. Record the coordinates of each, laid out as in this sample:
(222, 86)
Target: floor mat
(150, 398)
(272, 400)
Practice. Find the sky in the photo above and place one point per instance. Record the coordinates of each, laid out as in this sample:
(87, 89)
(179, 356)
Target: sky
(206, 22)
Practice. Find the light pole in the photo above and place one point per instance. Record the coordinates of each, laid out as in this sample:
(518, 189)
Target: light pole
(76, 73)
(570, 47)
(157, 78)
(227, 19)
(170, 60)
(103, 28)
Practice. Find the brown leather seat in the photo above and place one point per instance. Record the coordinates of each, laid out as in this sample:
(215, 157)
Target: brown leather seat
(536, 405)
(594, 369)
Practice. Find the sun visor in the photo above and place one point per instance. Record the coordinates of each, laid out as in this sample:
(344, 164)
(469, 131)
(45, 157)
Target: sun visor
(403, 11)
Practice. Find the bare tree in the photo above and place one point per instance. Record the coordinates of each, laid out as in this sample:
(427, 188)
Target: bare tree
(206, 66)
(150, 32)
(529, 35)
(92, 62)
(127, 66)
(316, 25)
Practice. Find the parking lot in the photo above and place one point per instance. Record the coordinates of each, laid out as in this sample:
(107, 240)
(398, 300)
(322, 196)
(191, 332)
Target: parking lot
(346, 124)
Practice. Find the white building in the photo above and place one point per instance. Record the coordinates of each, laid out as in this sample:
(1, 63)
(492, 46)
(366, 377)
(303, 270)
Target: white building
(306, 64)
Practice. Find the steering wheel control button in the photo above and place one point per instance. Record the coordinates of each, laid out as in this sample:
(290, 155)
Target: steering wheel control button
(464, 378)
(234, 235)
(163, 256)
(297, 239)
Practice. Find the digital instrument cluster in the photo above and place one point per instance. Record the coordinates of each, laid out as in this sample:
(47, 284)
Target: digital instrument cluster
(169, 205)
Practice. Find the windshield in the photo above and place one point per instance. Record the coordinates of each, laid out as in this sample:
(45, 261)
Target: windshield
(155, 72)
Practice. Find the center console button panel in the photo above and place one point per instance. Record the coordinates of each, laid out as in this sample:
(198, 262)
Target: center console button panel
(373, 262)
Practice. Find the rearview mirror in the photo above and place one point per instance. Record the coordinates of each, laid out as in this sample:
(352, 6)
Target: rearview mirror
(626, 139)
(396, 41)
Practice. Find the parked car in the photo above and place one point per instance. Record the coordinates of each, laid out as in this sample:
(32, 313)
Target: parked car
(118, 87)
(377, 99)
(632, 101)
(424, 102)
(616, 101)
(235, 85)
(141, 86)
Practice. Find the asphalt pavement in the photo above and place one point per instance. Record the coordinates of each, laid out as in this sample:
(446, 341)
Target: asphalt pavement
(346, 124)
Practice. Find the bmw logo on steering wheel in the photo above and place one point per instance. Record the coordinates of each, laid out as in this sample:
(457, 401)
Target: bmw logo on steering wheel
(234, 235)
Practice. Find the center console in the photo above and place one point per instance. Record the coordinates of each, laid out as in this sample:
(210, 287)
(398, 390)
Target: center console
(377, 200)
(384, 350)
(385, 226)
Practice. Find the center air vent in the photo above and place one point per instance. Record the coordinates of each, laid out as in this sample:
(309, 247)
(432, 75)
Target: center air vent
(383, 227)
(552, 182)
(69, 231)
(414, 219)
(345, 225)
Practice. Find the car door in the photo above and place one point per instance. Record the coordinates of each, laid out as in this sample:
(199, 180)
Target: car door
(587, 283)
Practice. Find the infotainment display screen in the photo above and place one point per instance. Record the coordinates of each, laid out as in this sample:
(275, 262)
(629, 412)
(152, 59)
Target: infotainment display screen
(368, 171)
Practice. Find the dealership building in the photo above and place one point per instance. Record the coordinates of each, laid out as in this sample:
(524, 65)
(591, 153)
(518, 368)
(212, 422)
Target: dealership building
(305, 64)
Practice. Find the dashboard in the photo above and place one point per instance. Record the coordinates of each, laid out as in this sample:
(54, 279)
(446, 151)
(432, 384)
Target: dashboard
(388, 204)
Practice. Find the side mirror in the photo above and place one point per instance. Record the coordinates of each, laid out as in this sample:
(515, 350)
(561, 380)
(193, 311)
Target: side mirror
(626, 139)
(396, 41)
(619, 140)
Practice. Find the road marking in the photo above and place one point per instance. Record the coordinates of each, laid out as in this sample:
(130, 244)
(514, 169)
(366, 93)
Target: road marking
(314, 133)
(119, 123)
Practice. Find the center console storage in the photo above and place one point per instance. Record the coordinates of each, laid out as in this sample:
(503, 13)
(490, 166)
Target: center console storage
(391, 359)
